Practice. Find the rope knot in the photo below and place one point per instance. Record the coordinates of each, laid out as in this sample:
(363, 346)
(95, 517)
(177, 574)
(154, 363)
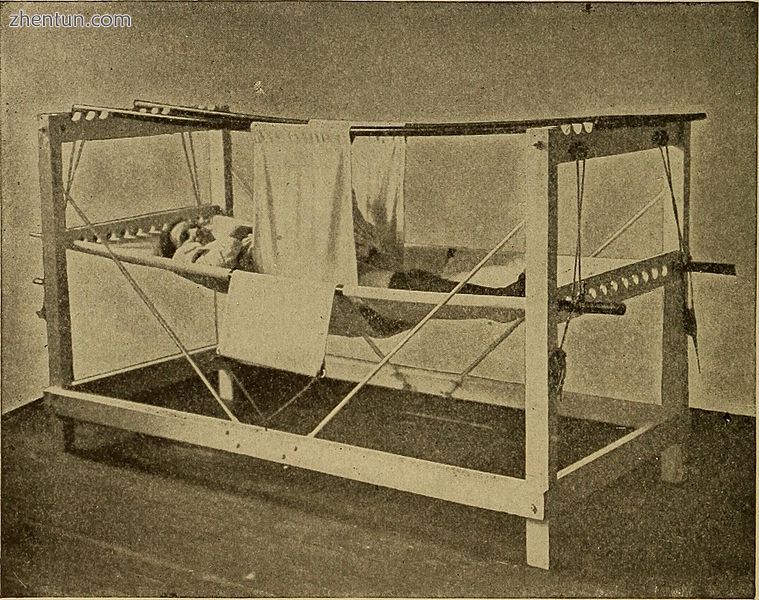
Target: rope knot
(660, 137)
(557, 370)
(578, 151)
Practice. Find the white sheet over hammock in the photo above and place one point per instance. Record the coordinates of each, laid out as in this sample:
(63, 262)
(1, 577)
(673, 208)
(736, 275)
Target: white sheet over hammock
(303, 206)
(378, 166)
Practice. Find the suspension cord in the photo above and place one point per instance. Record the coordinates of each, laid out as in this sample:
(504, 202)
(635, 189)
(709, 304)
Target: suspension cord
(664, 151)
(296, 397)
(578, 293)
(194, 163)
(189, 149)
(557, 361)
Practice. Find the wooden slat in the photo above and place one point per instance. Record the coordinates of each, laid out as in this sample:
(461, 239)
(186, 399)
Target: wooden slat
(215, 278)
(111, 127)
(446, 482)
(629, 281)
(604, 466)
(159, 220)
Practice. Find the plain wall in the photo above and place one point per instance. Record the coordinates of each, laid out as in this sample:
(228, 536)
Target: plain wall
(377, 62)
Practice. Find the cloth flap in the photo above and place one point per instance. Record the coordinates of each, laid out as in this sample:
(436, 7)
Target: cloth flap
(276, 322)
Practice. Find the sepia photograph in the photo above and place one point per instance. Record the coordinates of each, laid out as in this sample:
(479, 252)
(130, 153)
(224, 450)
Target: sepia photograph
(378, 299)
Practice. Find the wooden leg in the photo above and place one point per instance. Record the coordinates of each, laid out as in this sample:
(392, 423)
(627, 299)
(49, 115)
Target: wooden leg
(540, 348)
(226, 386)
(674, 379)
(674, 383)
(673, 465)
(69, 434)
(539, 544)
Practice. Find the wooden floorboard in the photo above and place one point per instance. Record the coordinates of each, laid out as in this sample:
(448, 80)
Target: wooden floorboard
(131, 516)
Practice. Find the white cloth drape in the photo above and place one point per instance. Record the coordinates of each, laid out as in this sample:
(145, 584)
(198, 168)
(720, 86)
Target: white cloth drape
(303, 179)
(302, 187)
(378, 166)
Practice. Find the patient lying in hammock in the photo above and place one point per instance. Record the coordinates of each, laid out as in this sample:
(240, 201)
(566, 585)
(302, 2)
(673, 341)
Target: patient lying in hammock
(228, 243)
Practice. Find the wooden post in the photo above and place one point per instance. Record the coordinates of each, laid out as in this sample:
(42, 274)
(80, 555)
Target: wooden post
(220, 173)
(541, 207)
(674, 373)
(53, 213)
(221, 170)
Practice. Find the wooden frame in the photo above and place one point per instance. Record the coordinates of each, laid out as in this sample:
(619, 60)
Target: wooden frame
(658, 429)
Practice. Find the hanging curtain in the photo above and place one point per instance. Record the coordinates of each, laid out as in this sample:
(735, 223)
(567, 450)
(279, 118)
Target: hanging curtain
(379, 165)
(303, 207)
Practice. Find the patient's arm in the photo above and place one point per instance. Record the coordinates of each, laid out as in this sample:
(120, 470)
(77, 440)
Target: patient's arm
(218, 253)
(222, 252)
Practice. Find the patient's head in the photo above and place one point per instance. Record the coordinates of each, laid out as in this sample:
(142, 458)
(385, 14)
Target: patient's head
(178, 233)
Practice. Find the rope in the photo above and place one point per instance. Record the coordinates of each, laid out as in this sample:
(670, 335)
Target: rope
(664, 151)
(577, 285)
(412, 333)
(689, 310)
(67, 189)
(557, 361)
(245, 393)
(73, 164)
(194, 163)
(378, 351)
(295, 397)
(190, 162)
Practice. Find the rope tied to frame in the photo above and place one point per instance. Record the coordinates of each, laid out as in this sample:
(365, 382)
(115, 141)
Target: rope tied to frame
(579, 153)
(557, 361)
(690, 324)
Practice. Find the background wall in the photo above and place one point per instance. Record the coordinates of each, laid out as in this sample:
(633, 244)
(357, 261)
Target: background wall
(387, 62)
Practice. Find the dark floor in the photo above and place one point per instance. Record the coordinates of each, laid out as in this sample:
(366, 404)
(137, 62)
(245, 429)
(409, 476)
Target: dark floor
(131, 516)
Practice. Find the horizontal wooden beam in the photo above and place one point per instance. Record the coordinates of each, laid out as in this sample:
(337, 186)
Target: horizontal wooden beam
(161, 108)
(130, 226)
(188, 118)
(148, 375)
(214, 278)
(482, 390)
(599, 469)
(567, 144)
(109, 128)
(445, 482)
(432, 129)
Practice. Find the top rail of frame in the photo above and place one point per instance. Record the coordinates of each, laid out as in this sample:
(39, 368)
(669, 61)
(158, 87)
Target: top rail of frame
(154, 118)
(424, 129)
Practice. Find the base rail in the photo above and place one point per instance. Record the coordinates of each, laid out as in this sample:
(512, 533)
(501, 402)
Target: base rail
(470, 487)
